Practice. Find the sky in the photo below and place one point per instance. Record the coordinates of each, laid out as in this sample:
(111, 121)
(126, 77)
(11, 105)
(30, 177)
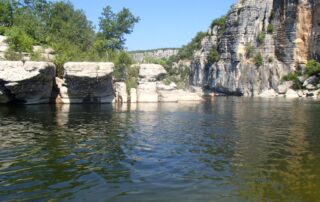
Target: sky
(163, 23)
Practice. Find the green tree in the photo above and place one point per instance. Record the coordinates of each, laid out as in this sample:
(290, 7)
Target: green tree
(214, 55)
(6, 13)
(186, 51)
(113, 27)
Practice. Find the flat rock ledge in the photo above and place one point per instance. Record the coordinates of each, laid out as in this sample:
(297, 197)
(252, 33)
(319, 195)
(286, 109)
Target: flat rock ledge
(28, 83)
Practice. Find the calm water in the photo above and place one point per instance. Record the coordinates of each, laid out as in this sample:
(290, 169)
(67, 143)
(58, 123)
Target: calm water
(231, 149)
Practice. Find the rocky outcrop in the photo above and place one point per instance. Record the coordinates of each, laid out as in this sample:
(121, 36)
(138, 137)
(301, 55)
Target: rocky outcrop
(86, 82)
(151, 72)
(120, 89)
(152, 89)
(282, 34)
(141, 56)
(29, 83)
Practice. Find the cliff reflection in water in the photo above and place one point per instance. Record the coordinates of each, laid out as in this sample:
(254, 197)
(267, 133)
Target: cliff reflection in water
(229, 149)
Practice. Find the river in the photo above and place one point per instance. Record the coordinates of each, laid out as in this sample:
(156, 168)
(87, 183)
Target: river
(228, 149)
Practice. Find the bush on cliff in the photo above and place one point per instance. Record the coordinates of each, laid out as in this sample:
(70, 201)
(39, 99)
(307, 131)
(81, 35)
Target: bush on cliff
(261, 37)
(312, 68)
(219, 21)
(186, 52)
(214, 55)
(258, 60)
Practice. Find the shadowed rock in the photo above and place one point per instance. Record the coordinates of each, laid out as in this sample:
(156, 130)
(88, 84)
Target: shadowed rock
(29, 83)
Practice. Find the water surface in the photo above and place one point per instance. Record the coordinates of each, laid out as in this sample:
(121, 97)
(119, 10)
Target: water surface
(230, 149)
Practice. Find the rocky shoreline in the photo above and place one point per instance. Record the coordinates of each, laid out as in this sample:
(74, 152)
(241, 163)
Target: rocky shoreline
(83, 82)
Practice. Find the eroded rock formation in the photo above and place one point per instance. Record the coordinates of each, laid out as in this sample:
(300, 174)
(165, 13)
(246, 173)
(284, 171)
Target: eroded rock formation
(86, 82)
(29, 83)
(282, 34)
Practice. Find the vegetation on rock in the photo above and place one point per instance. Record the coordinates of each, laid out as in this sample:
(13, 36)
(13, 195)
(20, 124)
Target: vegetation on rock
(67, 30)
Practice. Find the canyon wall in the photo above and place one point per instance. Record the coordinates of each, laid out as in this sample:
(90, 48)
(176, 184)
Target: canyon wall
(261, 41)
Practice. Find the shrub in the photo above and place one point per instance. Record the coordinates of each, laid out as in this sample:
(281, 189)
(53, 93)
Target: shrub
(249, 51)
(219, 21)
(312, 68)
(293, 76)
(12, 55)
(270, 29)
(258, 60)
(272, 15)
(270, 59)
(214, 55)
(261, 37)
(290, 77)
(2, 30)
(18, 40)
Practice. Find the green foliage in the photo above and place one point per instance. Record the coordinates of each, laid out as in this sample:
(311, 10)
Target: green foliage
(6, 13)
(249, 51)
(221, 22)
(113, 27)
(67, 30)
(258, 60)
(272, 15)
(290, 77)
(2, 30)
(19, 40)
(261, 37)
(132, 77)
(186, 52)
(270, 59)
(13, 56)
(312, 68)
(214, 55)
(122, 63)
(270, 29)
(293, 76)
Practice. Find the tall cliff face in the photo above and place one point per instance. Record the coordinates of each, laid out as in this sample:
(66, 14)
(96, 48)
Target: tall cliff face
(283, 33)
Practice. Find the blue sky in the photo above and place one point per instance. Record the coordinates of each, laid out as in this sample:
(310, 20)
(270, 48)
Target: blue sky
(163, 23)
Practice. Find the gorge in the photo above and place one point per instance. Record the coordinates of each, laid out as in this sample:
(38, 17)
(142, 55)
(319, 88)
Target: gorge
(259, 43)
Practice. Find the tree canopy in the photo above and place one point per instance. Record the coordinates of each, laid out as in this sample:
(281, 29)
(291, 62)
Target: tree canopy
(59, 25)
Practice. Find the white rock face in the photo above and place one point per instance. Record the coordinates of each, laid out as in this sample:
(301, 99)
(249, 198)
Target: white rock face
(292, 94)
(121, 92)
(268, 93)
(188, 96)
(151, 72)
(147, 92)
(29, 83)
(168, 96)
(133, 95)
(87, 82)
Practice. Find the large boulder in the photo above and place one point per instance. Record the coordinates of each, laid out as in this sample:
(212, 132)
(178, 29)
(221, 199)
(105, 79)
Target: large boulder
(168, 96)
(268, 93)
(29, 83)
(147, 92)
(188, 96)
(310, 81)
(151, 72)
(292, 94)
(87, 82)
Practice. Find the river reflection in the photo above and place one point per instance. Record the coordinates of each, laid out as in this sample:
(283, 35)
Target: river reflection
(230, 149)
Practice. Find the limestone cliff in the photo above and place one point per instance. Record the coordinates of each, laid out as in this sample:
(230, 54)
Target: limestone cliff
(261, 41)
(141, 56)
